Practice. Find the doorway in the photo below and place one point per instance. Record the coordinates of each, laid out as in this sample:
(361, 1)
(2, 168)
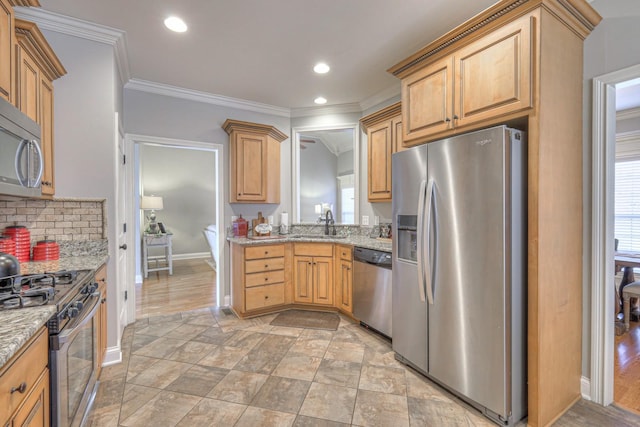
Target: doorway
(213, 191)
(602, 232)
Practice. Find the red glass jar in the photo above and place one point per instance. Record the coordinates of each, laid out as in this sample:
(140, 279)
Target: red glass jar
(240, 227)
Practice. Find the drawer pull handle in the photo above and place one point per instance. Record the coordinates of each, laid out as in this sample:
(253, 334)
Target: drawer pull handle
(266, 297)
(266, 266)
(266, 278)
(20, 389)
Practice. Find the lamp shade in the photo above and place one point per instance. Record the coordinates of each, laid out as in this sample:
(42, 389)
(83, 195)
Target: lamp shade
(151, 202)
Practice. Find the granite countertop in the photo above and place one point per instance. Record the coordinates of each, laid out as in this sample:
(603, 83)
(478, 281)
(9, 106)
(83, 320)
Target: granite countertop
(358, 240)
(18, 326)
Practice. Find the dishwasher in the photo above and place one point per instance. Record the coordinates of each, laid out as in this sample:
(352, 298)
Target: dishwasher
(372, 289)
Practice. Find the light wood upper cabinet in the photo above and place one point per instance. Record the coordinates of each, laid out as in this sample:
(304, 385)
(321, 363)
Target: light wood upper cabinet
(485, 79)
(254, 162)
(7, 56)
(384, 137)
(38, 67)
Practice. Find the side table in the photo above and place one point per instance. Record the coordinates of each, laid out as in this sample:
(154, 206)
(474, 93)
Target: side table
(160, 240)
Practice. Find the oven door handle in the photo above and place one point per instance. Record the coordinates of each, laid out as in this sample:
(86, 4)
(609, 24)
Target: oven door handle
(58, 341)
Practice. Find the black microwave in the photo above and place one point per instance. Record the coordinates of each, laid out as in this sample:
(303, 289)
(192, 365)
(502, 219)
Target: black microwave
(21, 161)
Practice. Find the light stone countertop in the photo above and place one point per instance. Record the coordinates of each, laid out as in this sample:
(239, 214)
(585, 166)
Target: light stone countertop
(19, 325)
(361, 241)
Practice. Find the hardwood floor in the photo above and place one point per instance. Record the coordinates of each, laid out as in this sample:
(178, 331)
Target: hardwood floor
(192, 286)
(626, 392)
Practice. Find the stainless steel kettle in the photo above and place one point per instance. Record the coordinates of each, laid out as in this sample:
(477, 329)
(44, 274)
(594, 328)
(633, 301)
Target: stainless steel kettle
(9, 265)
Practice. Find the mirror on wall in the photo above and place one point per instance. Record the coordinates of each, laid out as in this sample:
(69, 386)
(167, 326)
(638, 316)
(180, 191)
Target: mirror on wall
(325, 162)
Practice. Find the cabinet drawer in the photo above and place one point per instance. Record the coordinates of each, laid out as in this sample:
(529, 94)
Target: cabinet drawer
(266, 264)
(264, 251)
(264, 278)
(313, 249)
(345, 252)
(26, 368)
(264, 296)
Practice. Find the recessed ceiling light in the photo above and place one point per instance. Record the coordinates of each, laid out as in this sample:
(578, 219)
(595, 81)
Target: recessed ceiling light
(321, 68)
(320, 100)
(175, 24)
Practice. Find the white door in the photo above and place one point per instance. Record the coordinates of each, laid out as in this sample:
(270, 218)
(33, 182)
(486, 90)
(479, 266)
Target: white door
(124, 313)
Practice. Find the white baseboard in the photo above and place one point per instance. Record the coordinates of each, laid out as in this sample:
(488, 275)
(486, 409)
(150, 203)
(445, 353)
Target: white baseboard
(194, 255)
(585, 388)
(113, 356)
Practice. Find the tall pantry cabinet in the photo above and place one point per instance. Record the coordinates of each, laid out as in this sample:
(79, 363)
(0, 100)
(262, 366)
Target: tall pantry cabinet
(520, 62)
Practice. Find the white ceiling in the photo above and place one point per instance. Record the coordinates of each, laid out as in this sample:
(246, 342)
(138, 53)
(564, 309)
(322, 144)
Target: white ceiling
(337, 141)
(263, 51)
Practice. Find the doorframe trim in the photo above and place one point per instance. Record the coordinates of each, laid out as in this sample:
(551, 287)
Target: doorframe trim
(131, 140)
(603, 135)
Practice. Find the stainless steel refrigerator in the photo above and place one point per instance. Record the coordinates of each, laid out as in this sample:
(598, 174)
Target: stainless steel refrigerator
(459, 267)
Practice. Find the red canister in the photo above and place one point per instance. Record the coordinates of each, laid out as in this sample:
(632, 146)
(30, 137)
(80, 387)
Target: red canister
(7, 245)
(46, 250)
(240, 227)
(22, 237)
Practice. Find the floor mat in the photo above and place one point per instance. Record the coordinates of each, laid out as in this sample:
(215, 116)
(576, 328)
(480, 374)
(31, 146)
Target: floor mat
(307, 319)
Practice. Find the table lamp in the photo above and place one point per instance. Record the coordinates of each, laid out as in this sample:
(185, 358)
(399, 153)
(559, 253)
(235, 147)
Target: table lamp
(151, 203)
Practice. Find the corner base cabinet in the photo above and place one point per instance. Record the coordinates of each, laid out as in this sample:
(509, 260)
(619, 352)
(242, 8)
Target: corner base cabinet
(254, 157)
(519, 63)
(24, 385)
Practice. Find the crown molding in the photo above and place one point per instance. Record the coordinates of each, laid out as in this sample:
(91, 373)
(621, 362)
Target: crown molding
(205, 97)
(380, 97)
(62, 24)
(629, 113)
(329, 109)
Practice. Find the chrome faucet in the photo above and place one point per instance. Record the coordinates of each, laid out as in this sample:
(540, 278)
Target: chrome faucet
(326, 222)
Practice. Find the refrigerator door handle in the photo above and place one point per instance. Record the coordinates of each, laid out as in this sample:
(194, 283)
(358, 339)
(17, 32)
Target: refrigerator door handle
(427, 226)
(420, 240)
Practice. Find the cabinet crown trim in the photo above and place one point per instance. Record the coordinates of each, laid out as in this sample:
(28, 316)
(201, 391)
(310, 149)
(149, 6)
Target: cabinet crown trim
(26, 3)
(233, 125)
(29, 34)
(381, 115)
(577, 14)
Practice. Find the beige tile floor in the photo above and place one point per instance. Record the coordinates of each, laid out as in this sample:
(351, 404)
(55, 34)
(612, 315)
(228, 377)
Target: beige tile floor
(207, 368)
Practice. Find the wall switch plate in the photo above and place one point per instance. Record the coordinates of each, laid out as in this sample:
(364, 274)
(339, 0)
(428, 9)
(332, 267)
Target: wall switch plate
(376, 220)
(270, 219)
(365, 219)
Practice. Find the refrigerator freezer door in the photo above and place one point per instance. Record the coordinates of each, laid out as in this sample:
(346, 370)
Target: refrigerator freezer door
(409, 310)
(468, 245)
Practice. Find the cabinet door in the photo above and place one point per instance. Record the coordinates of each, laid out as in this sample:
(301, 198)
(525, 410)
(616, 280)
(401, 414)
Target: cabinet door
(379, 147)
(303, 279)
(396, 137)
(6, 50)
(250, 167)
(344, 286)
(493, 74)
(323, 280)
(46, 123)
(35, 410)
(28, 85)
(427, 97)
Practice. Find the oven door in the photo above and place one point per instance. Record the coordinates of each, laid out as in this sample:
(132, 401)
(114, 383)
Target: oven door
(74, 366)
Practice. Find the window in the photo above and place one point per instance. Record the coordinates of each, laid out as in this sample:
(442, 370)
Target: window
(627, 205)
(347, 198)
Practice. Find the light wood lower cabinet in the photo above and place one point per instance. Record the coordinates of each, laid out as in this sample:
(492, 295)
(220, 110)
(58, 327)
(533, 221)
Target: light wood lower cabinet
(258, 276)
(313, 273)
(101, 279)
(24, 385)
(344, 278)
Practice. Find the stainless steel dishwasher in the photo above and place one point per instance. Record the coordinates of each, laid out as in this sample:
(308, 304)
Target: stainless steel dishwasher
(372, 289)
